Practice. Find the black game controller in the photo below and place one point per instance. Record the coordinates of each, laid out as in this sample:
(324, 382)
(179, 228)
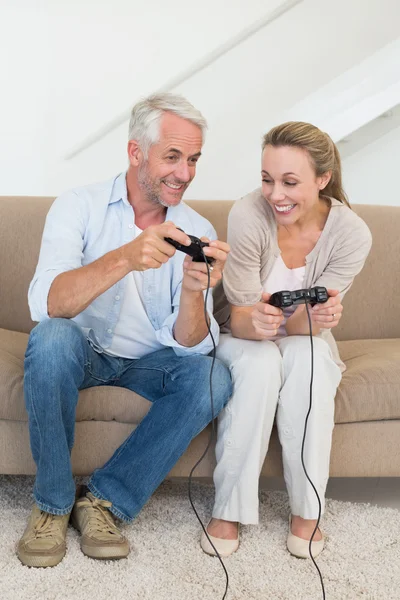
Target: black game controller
(194, 250)
(316, 295)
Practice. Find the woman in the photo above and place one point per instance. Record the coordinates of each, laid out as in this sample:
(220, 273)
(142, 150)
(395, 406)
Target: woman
(297, 231)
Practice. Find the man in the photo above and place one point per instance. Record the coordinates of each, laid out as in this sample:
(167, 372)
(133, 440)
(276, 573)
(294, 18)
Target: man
(118, 305)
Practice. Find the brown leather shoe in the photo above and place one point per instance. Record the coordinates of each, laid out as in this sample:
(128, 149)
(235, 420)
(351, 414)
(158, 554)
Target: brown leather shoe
(43, 542)
(101, 537)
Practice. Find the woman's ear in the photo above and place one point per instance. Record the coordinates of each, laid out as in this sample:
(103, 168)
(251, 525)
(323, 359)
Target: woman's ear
(324, 179)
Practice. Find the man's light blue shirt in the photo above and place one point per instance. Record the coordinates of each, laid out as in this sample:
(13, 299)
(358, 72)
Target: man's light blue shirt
(86, 223)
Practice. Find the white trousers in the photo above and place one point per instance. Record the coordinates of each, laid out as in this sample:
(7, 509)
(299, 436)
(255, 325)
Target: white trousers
(268, 378)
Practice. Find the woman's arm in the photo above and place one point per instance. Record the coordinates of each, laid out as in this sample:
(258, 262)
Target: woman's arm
(298, 324)
(242, 324)
(345, 263)
(258, 322)
(323, 316)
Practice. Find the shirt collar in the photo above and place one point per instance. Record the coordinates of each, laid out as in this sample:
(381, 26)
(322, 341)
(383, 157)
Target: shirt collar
(119, 191)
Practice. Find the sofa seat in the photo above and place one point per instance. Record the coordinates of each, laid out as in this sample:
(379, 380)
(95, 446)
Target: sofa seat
(103, 403)
(368, 391)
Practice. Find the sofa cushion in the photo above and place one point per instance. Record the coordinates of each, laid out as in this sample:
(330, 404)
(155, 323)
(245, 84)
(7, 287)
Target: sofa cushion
(369, 390)
(370, 387)
(12, 351)
(103, 403)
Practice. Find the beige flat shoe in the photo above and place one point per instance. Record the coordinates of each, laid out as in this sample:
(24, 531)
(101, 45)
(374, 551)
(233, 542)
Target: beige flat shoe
(301, 548)
(225, 547)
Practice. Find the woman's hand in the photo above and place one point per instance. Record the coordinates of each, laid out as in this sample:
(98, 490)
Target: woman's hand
(328, 314)
(266, 319)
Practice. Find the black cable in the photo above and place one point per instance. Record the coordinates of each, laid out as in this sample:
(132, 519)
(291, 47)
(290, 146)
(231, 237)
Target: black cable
(212, 434)
(302, 451)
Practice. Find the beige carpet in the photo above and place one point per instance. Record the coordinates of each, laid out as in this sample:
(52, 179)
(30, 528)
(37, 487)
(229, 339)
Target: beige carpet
(361, 559)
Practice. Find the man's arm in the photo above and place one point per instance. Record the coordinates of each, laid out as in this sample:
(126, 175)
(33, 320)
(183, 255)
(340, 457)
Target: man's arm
(71, 292)
(190, 327)
(61, 286)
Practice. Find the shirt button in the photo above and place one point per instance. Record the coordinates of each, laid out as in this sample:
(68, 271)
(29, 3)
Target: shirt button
(229, 443)
(130, 226)
(109, 330)
(117, 297)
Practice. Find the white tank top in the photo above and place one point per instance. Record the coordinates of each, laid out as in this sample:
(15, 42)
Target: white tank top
(282, 278)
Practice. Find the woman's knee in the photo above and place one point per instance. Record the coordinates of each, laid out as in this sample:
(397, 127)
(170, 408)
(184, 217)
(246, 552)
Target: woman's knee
(297, 350)
(258, 356)
(256, 369)
(297, 362)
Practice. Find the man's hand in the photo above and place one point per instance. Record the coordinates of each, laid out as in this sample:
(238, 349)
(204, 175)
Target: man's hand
(266, 319)
(195, 277)
(150, 250)
(328, 314)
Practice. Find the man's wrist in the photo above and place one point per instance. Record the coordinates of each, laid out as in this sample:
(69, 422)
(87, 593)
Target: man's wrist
(192, 294)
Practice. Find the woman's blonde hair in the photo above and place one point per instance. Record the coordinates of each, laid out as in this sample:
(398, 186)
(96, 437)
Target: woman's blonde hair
(321, 149)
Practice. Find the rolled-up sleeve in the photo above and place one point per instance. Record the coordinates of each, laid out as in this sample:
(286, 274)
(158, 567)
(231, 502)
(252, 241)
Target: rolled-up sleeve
(165, 335)
(347, 260)
(242, 281)
(61, 250)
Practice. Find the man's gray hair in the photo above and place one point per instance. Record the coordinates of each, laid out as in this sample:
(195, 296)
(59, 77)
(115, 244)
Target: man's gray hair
(145, 121)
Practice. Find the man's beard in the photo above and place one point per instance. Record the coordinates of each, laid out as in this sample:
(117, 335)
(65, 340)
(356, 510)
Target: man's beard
(151, 188)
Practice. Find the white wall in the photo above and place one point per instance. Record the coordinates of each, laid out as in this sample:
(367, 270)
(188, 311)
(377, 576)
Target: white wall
(371, 175)
(67, 66)
(73, 66)
(24, 77)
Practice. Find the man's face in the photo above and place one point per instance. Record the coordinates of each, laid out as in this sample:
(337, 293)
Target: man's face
(171, 163)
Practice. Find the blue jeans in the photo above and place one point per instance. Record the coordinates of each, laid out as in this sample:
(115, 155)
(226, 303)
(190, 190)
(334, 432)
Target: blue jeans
(59, 362)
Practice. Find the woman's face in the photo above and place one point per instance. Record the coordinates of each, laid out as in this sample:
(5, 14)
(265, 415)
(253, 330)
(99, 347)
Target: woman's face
(290, 185)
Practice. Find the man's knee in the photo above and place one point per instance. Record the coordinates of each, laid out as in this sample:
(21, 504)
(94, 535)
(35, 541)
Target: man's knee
(207, 377)
(51, 333)
(54, 341)
(221, 382)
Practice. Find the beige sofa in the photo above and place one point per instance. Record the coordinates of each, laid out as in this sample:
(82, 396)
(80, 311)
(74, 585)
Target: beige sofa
(367, 435)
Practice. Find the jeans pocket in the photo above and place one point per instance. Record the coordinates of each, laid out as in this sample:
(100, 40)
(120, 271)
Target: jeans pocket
(101, 378)
(102, 368)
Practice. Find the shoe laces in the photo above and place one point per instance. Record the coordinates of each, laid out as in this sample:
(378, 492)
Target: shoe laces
(46, 526)
(99, 518)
